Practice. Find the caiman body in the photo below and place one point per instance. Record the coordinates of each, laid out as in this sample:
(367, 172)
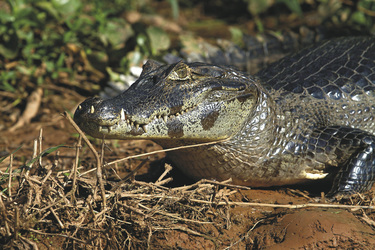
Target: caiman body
(305, 117)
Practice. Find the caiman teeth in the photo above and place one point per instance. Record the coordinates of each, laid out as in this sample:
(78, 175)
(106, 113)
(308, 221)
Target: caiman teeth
(144, 128)
(108, 129)
(122, 115)
(133, 124)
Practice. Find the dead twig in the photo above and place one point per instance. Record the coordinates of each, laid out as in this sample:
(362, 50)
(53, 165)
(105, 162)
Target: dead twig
(205, 181)
(246, 204)
(57, 218)
(225, 184)
(74, 170)
(168, 168)
(31, 243)
(98, 162)
(165, 150)
(40, 145)
(165, 181)
(10, 178)
(366, 219)
(35, 150)
(151, 185)
(3, 214)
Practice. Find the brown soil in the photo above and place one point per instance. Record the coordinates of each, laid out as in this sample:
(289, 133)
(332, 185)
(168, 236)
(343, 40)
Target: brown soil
(205, 215)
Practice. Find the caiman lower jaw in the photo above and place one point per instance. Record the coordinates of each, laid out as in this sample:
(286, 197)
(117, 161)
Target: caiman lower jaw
(123, 127)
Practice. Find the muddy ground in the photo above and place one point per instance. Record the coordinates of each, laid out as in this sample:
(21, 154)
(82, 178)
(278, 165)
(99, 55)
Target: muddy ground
(43, 212)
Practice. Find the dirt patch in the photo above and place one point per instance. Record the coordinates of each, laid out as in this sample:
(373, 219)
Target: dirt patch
(318, 228)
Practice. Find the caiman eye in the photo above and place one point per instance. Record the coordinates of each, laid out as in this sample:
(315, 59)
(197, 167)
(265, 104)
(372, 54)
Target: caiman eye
(179, 75)
(180, 72)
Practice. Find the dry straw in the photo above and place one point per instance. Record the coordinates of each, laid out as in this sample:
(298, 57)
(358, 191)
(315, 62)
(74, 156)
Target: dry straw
(85, 212)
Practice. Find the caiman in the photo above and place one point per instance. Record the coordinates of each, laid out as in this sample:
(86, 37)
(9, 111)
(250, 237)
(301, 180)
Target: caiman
(307, 117)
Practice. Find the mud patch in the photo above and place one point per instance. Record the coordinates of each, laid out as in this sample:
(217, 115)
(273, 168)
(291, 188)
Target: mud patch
(314, 229)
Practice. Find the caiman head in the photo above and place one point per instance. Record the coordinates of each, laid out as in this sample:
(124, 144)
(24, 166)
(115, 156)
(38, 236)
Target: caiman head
(187, 102)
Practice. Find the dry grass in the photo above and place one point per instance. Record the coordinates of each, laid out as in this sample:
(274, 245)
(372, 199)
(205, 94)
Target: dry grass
(83, 212)
(40, 206)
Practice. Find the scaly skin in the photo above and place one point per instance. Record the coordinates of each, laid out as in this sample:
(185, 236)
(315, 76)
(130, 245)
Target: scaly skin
(303, 118)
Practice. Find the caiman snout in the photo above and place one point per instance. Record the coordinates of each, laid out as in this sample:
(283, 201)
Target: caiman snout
(95, 112)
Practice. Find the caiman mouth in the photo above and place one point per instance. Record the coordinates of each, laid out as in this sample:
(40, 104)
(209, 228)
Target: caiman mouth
(124, 118)
(98, 118)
